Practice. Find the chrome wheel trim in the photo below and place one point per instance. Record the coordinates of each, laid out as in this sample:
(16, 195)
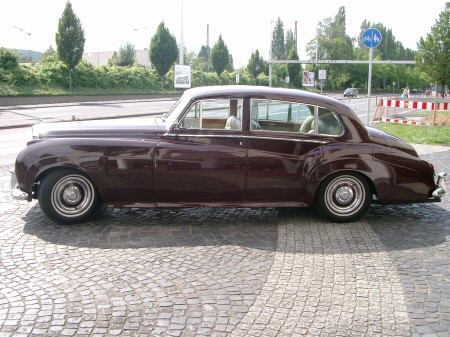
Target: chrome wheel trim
(345, 195)
(72, 195)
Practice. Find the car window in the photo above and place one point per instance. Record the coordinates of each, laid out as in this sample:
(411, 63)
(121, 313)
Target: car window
(272, 115)
(214, 114)
(329, 123)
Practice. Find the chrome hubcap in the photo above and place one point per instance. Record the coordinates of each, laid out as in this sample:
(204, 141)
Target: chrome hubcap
(345, 195)
(72, 195)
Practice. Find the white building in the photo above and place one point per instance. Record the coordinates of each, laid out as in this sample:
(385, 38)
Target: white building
(100, 58)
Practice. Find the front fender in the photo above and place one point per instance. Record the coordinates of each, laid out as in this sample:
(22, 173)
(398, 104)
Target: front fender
(39, 157)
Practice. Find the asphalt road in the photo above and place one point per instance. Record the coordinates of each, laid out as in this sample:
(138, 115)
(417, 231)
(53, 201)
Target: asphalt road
(93, 110)
(12, 140)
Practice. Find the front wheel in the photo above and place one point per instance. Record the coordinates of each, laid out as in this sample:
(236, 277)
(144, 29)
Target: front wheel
(343, 197)
(67, 196)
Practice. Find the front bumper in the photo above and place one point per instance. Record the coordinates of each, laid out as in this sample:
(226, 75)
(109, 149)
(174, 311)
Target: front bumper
(441, 186)
(16, 193)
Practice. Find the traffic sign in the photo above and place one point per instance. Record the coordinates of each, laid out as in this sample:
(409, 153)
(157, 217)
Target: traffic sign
(322, 74)
(371, 38)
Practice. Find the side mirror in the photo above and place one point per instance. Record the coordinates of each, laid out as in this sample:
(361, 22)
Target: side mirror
(175, 127)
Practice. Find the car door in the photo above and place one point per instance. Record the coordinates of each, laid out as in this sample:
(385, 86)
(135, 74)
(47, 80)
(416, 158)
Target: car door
(202, 161)
(283, 145)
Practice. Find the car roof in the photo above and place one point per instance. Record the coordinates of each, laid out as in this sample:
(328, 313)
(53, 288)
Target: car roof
(248, 90)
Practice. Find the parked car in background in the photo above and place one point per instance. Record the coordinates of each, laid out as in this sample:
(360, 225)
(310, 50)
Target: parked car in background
(351, 92)
(229, 146)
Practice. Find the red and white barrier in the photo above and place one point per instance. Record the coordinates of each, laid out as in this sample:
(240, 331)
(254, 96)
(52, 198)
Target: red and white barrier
(410, 122)
(410, 104)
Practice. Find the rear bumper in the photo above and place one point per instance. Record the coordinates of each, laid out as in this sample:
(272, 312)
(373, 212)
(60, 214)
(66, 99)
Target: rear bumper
(441, 187)
(16, 192)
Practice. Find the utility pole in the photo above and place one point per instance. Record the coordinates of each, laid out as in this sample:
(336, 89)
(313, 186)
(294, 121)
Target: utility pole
(208, 51)
(317, 51)
(270, 55)
(181, 39)
(296, 36)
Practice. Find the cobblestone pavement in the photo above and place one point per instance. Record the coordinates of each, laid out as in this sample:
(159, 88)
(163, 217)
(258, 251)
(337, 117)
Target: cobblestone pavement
(226, 272)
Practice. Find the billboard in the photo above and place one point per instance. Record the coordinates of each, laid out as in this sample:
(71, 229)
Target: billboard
(308, 79)
(182, 76)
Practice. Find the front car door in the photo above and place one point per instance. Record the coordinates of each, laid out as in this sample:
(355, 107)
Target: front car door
(283, 145)
(202, 160)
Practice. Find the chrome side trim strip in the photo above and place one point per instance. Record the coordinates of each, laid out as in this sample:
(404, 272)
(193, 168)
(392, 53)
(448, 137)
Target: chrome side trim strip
(202, 136)
(287, 139)
(248, 137)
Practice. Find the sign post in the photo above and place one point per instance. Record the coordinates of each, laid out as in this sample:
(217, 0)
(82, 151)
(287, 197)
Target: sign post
(322, 76)
(371, 39)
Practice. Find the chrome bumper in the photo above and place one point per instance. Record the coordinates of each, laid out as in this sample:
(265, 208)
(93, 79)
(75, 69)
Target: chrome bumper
(441, 187)
(16, 193)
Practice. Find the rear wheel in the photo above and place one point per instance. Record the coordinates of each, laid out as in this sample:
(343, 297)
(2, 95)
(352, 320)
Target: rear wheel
(67, 196)
(343, 197)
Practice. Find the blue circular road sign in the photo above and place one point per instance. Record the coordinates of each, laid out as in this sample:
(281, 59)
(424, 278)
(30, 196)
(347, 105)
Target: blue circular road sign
(371, 38)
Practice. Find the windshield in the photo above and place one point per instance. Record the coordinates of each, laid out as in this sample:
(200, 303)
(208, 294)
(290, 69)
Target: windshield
(176, 109)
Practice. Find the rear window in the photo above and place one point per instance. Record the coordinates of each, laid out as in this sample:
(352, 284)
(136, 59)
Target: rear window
(329, 123)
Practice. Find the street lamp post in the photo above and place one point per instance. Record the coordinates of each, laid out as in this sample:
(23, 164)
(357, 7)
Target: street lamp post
(270, 55)
(181, 38)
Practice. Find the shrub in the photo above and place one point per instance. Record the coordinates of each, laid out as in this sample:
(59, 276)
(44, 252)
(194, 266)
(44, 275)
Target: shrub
(8, 60)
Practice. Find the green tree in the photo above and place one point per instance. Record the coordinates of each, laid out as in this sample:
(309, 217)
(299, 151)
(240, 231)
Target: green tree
(290, 41)
(220, 56)
(294, 69)
(127, 55)
(8, 60)
(256, 64)
(114, 60)
(390, 48)
(70, 40)
(332, 42)
(205, 55)
(278, 46)
(49, 56)
(433, 55)
(230, 65)
(163, 50)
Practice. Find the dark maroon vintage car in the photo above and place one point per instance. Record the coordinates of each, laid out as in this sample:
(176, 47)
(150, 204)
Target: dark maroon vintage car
(229, 146)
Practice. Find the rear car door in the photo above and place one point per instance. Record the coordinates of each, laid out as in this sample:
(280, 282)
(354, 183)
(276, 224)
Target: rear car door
(203, 159)
(283, 145)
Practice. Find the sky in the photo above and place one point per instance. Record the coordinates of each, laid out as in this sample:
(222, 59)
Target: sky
(244, 24)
